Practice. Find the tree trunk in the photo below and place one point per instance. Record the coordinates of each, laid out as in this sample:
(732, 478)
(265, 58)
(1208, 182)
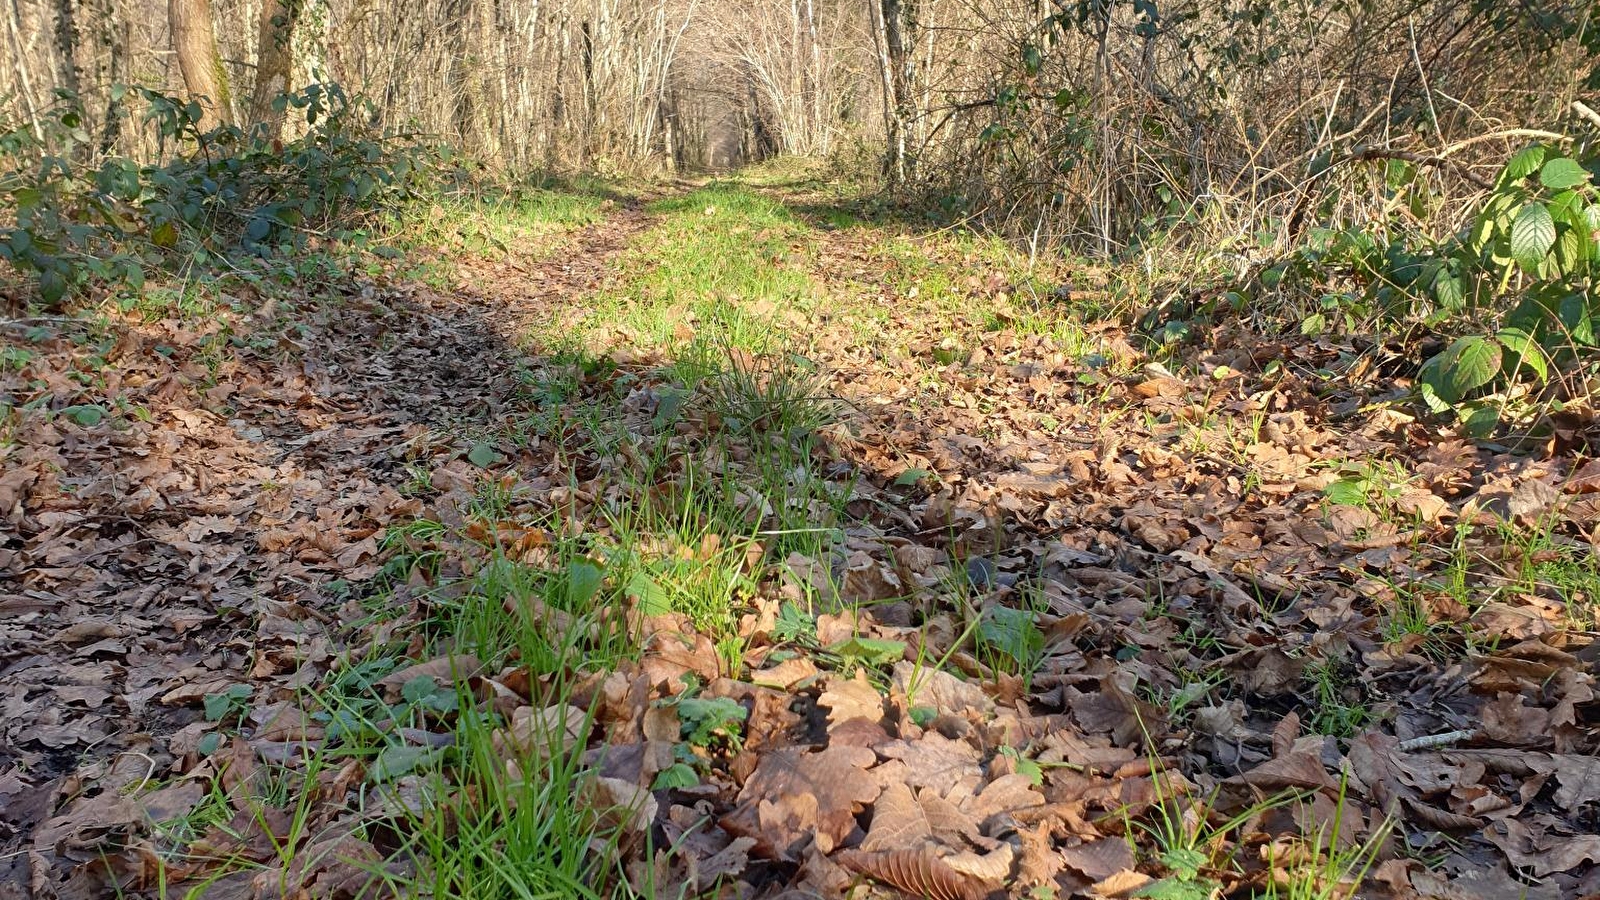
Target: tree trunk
(70, 77)
(894, 159)
(194, 40)
(899, 44)
(114, 73)
(274, 63)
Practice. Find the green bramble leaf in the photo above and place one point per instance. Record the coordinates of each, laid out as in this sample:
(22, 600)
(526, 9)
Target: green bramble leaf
(1561, 173)
(677, 775)
(1525, 163)
(1533, 233)
(1464, 366)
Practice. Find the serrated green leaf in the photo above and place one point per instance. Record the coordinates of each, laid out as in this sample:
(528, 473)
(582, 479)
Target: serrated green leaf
(1573, 313)
(677, 775)
(871, 651)
(209, 743)
(1448, 290)
(1347, 492)
(1030, 770)
(52, 287)
(1523, 164)
(701, 719)
(483, 455)
(653, 601)
(1431, 398)
(1561, 173)
(583, 583)
(1464, 366)
(1528, 351)
(1572, 252)
(1533, 233)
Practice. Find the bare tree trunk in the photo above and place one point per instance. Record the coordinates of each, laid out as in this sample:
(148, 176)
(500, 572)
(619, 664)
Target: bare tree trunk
(194, 41)
(894, 161)
(114, 35)
(21, 63)
(274, 63)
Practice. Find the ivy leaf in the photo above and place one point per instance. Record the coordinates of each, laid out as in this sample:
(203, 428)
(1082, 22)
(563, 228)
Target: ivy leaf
(1481, 421)
(1561, 173)
(910, 477)
(419, 689)
(1533, 233)
(216, 706)
(396, 760)
(87, 415)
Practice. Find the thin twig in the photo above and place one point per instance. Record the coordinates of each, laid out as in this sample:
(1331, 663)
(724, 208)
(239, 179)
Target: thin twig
(1435, 741)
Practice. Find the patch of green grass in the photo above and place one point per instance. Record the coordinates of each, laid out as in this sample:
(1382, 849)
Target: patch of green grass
(719, 266)
(530, 220)
(1338, 707)
(1330, 862)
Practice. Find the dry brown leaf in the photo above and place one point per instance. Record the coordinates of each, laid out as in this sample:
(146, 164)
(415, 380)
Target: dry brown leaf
(1120, 884)
(444, 671)
(991, 868)
(1099, 860)
(847, 699)
(622, 803)
(918, 872)
(1543, 854)
(897, 821)
(795, 797)
(786, 674)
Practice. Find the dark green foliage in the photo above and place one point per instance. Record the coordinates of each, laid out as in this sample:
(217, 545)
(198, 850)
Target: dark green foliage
(82, 222)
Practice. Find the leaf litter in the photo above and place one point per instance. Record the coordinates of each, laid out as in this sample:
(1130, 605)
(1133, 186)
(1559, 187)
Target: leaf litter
(1091, 629)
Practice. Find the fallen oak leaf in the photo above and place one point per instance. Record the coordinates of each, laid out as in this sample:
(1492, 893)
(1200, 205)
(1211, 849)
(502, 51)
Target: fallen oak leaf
(795, 796)
(1543, 854)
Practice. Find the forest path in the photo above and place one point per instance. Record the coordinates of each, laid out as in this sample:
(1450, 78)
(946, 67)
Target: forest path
(784, 500)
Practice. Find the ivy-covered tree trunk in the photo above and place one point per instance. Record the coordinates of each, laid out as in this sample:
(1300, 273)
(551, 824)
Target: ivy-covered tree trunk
(274, 62)
(69, 76)
(194, 41)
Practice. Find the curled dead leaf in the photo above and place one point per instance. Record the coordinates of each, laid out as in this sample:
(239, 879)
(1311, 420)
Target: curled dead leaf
(918, 872)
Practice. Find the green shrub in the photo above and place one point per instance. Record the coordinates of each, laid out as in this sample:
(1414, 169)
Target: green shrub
(79, 221)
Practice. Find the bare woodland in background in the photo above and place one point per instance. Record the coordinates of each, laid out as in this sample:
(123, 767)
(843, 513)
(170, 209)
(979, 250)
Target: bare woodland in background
(1076, 122)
